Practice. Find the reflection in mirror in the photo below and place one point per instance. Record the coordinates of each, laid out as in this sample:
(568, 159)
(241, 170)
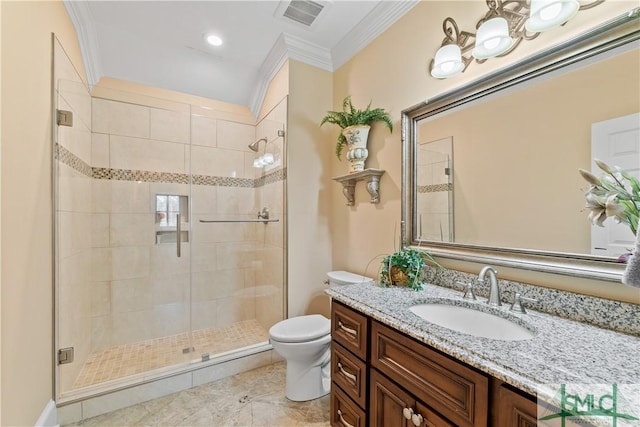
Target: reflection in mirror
(518, 153)
(615, 142)
(434, 198)
(520, 138)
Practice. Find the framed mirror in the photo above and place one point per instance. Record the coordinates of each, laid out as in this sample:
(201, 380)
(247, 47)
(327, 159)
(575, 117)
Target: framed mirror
(490, 170)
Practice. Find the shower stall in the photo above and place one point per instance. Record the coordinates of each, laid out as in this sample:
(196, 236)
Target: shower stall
(169, 234)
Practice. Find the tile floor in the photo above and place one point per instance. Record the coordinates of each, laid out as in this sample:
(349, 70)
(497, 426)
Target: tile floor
(250, 399)
(129, 359)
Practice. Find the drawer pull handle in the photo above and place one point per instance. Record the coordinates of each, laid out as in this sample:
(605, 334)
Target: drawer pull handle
(408, 413)
(347, 330)
(342, 420)
(347, 374)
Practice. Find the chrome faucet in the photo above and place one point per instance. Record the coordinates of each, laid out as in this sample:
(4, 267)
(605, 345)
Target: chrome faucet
(494, 289)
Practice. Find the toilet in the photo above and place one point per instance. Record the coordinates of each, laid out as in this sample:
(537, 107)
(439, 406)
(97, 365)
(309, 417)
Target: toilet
(305, 344)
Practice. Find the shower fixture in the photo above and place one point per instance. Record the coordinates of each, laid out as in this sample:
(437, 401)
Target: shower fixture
(254, 145)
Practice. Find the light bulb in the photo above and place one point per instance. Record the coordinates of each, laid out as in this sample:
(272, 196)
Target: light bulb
(447, 62)
(213, 40)
(491, 43)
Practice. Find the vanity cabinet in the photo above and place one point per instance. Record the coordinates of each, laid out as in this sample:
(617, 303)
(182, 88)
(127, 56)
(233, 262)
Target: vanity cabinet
(381, 377)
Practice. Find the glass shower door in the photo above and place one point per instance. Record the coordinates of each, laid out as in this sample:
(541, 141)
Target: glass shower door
(122, 224)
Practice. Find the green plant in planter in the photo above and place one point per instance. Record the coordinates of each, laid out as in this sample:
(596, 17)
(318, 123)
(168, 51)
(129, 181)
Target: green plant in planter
(405, 268)
(351, 116)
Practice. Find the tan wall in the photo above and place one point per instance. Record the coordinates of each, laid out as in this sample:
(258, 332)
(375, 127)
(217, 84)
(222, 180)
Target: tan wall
(392, 71)
(27, 289)
(309, 189)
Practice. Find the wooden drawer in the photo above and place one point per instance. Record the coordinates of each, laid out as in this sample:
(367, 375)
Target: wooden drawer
(456, 391)
(350, 373)
(345, 413)
(349, 328)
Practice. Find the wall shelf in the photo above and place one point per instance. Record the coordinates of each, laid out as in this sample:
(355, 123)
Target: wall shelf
(372, 178)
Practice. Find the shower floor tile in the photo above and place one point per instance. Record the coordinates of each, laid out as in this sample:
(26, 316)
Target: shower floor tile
(250, 399)
(129, 359)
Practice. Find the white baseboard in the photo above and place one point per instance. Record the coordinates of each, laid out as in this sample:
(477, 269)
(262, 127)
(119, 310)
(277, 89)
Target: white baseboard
(49, 416)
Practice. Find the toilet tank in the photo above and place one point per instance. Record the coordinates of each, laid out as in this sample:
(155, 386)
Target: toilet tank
(346, 278)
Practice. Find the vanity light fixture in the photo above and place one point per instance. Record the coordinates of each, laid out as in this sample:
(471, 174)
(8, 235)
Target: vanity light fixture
(500, 31)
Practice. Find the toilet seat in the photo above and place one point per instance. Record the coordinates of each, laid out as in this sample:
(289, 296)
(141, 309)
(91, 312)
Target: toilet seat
(301, 328)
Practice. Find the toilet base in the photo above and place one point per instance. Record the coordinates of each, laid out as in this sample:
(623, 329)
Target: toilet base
(304, 383)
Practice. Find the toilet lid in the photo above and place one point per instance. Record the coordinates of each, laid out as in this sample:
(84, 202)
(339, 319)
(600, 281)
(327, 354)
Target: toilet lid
(301, 328)
(347, 278)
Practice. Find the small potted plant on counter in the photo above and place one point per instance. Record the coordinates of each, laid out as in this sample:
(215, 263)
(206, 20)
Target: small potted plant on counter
(405, 268)
(355, 125)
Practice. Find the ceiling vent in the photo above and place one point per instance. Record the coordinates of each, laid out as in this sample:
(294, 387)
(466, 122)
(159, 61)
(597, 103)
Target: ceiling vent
(303, 12)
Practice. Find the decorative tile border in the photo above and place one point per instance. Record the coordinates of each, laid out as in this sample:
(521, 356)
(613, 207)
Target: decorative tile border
(223, 181)
(270, 178)
(436, 188)
(68, 158)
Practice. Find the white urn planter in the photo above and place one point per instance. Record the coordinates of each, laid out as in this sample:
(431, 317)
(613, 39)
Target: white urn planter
(357, 153)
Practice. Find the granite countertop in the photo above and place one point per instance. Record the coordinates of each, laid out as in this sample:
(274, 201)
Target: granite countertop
(562, 351)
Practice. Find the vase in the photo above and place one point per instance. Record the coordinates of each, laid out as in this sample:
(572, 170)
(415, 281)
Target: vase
(398, 276)
(357, 153)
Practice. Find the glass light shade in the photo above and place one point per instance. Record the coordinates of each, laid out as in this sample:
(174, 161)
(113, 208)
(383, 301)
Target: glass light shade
(447, 62)
(492, 38)
(548, 14)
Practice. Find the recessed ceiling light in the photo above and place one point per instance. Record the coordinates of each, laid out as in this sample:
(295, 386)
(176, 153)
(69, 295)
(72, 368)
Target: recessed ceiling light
(213, 40)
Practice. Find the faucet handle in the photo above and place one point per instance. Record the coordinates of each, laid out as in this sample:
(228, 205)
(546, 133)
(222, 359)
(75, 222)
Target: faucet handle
(518, 299)
(468, 290)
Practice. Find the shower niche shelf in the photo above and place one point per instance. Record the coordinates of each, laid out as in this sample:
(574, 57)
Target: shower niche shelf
(370, 176)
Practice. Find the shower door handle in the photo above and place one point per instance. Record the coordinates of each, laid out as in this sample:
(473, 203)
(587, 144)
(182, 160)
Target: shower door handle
(178, 236)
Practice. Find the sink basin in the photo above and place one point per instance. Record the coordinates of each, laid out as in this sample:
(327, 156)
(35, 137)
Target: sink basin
(472, 321)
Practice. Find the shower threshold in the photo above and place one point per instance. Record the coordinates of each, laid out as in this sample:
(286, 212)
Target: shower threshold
(131, 364)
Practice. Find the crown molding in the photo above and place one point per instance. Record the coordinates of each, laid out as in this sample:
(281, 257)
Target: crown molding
(374, 24)
(287, 47)
(309, 53)
(82, 20)
(275, 59)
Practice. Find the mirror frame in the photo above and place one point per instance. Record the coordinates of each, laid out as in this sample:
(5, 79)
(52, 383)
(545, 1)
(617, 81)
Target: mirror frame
(612, 34)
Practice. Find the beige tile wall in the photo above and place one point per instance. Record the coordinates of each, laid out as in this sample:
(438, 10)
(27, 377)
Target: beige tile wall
(143, 289)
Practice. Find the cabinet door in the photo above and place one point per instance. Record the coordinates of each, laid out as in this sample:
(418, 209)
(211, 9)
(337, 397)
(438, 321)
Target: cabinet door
(387, 403)
(515, 410)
